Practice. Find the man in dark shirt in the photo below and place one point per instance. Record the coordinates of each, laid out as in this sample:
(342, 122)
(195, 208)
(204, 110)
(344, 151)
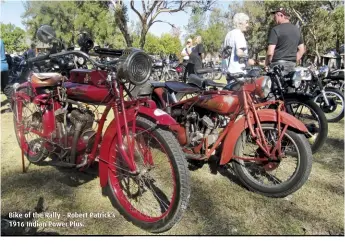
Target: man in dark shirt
(285, 43)
(30, 53)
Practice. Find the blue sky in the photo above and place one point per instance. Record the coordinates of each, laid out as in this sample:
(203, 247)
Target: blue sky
(12, 10)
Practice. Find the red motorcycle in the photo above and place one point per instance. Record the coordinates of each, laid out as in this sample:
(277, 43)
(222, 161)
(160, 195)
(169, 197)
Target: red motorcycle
(141, 165)
(267, 147)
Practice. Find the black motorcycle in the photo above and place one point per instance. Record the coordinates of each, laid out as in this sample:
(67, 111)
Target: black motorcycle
(327, 96)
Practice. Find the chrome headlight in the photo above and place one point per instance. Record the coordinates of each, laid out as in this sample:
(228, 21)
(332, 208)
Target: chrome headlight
(266, 86)
(297, 79)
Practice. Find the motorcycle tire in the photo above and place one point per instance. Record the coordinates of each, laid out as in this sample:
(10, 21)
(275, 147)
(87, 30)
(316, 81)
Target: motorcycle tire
(34, 150)
(319, 140)
(170, 211)
(334, 92)
(279, 189)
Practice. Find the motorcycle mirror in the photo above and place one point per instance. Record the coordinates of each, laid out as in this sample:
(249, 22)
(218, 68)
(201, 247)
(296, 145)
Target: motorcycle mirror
(46, 34)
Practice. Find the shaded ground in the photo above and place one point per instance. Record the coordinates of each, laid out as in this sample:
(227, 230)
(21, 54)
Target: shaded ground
(218, 205)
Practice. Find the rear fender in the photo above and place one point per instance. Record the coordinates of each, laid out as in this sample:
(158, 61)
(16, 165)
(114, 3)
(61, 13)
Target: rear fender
(158, 116)
(265, 116)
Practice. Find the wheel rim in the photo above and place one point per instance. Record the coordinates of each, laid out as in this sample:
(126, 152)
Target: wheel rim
(336, 102)
(30, 118)
(133, 191)
(257, 171)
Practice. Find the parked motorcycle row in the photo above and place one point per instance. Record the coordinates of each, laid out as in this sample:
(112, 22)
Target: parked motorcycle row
(172, 70)
(264, 126)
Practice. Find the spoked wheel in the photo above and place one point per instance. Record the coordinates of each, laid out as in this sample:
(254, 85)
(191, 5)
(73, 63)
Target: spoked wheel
(334, 112)
(313, 118)
(26, 115)
(274, 178)
(155, 197)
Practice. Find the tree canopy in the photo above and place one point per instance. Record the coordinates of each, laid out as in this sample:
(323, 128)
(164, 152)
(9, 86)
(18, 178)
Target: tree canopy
(13, 37)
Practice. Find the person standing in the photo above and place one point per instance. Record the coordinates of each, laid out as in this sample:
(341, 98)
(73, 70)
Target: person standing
(4, 68)
(285, 43)
(196, 57)
(236, 40)
(30, 53)
(185, 53)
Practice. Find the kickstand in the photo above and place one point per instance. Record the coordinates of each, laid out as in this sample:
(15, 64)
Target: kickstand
(23, 162)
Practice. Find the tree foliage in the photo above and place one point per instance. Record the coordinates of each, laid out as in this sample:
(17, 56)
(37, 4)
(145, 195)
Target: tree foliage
(13, 37)
(150, 13)
(70, 18)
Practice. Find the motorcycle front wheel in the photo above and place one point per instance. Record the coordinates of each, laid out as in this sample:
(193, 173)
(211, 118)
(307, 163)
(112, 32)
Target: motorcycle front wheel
(334, 112)
(273, 179)
(155, 198)
(308, 112)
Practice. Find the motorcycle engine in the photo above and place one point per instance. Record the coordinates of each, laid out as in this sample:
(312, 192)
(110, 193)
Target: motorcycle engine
(78, 126)
(199, 128)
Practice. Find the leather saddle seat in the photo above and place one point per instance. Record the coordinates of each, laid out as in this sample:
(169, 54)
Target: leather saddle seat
(45, 79)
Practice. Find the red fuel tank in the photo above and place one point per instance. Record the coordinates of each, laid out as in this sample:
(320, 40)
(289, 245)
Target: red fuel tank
(223, 104)
(87, 85)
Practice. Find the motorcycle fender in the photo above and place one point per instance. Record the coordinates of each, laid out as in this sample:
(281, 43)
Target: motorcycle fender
(158, 116)
(298, 96)
(265, 116)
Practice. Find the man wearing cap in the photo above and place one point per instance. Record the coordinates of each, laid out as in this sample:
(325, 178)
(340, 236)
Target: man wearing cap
(285, 42)
(185, 53)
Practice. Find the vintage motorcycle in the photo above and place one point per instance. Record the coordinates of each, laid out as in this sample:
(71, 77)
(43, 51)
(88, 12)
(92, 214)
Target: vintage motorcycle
(267, 147)
(328, 97)
(141, 165)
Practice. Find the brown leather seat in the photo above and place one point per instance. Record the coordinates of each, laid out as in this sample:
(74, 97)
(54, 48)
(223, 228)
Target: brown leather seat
(45, 79)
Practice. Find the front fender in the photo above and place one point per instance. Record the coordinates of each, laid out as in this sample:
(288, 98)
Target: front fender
(298, 95)
(265, 116)
(156, 115)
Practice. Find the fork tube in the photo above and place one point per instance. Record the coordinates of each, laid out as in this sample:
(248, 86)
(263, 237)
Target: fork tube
(92, 155)
(122, 103)
(256, 117)
(246, 113)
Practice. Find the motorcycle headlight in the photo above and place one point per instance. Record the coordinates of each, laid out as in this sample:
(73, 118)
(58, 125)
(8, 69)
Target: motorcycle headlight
(266, 86)
(297, 79)
(81, 60)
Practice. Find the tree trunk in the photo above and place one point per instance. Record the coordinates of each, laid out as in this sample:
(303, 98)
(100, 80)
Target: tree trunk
(143, 36)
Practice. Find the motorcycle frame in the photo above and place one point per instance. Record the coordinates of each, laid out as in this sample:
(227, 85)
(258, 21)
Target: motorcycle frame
(124, 112)
(252, 113)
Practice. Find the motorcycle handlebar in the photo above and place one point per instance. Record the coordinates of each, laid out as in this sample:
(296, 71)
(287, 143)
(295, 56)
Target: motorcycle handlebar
(38, 58)
(82, 54)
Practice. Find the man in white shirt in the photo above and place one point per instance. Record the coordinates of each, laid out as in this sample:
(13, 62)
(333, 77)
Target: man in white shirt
(236, 40)
(187, 50)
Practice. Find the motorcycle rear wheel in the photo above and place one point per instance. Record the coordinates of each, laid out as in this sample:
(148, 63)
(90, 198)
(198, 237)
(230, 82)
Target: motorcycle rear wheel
(156, 198)
(30, 115)
(270, 183)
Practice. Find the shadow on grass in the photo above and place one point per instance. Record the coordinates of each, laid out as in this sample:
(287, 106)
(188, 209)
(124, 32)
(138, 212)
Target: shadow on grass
(24, 226)
(337, 143)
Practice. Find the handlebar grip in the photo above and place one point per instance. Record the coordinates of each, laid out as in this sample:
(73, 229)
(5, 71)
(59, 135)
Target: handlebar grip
(38, 58)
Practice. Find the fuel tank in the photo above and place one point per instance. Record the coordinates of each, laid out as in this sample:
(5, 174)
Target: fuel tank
(88, 86)
(223, 104)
